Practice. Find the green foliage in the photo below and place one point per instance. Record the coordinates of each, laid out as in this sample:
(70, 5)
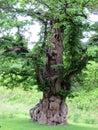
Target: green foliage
(44, 86)
(93, 46)
(88, 79)
(84, 105)
(21, 68)
(93, 51)
(63, 92)
(57, 66)
(16, 73)
(91, 76)
(86, 101)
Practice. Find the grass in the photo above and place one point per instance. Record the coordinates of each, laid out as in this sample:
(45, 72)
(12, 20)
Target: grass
(16, 102)
(27, 124)
(14, 112)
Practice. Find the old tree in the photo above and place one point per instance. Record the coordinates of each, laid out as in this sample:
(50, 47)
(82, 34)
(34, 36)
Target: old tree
(54, 60)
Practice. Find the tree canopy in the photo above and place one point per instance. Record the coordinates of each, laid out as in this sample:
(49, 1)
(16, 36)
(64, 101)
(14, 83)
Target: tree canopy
(19, 65)
(57, 57)
(71, 16)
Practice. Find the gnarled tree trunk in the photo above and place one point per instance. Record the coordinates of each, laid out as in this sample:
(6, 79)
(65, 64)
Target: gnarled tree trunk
(52, 108)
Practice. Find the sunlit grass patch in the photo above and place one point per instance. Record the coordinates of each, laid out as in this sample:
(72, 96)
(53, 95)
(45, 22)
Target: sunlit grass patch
(16, 104)
(27, 124)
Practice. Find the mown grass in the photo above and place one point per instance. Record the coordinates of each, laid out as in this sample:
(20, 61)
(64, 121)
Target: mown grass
(14, 112)
(27, 124)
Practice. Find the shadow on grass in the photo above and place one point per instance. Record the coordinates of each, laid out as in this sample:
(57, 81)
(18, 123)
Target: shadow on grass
(27, 124)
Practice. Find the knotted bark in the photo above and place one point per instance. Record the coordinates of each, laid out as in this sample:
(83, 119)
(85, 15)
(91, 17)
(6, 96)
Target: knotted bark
(52, 111)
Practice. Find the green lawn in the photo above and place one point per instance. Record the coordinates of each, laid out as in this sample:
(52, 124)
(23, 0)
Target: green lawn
(27, 124)
(14, 113)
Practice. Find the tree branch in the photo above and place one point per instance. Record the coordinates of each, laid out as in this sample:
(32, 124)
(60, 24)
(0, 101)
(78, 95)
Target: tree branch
(78, 68)
(17, 49)
(45, 34)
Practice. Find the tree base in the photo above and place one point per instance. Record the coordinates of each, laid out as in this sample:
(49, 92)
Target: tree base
(50, 111)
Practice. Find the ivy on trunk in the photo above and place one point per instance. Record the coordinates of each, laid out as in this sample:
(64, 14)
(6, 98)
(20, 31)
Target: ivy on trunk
(54, 60)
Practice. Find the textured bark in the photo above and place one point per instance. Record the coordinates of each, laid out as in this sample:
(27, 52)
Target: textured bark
(51, 110)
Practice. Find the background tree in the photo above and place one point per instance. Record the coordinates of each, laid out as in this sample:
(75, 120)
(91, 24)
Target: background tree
(54, 60)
